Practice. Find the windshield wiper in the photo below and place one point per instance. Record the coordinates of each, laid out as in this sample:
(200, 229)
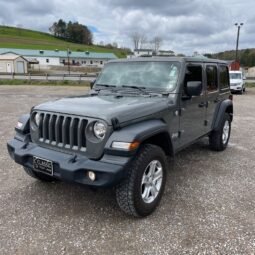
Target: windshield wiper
(99, 87)
(105, 85)
(142, 89)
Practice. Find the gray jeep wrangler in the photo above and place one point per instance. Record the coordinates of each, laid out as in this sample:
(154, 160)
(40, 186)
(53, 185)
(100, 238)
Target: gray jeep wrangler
(138, 113)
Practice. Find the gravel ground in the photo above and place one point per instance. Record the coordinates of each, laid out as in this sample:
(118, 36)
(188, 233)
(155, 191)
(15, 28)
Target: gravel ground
(208, 206)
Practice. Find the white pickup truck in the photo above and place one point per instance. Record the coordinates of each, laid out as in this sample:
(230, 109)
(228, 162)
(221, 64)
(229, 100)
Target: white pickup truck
(237, 83)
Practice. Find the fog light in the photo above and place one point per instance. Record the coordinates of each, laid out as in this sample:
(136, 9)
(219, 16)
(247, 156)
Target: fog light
(91, 175)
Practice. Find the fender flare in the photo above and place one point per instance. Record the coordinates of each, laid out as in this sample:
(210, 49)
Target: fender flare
(137, 132)
(25, 128)
(225, 106)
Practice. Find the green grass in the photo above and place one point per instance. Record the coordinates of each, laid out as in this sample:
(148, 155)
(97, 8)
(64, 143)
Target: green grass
(12, 37)
(249, 85)
(44, 83)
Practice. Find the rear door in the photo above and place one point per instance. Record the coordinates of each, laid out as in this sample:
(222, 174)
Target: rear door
(211, 93)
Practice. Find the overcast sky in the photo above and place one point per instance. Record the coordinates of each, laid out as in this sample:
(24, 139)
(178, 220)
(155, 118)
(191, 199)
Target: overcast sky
(185, 25)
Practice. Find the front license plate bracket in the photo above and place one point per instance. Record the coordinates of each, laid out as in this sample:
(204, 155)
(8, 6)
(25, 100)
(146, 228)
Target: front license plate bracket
(43, 165)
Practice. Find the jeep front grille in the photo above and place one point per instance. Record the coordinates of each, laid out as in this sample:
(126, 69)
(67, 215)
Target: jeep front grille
(63, 131)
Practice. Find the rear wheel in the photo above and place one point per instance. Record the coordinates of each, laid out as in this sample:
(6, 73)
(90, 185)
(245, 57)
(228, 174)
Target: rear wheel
(39, 176)
(218, 139)
(140, 193)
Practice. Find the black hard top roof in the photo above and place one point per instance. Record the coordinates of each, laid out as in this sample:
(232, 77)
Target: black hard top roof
(164, 59)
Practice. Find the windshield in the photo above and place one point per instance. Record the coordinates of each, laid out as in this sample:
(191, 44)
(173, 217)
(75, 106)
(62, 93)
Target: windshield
(149, 75)
(235, 76)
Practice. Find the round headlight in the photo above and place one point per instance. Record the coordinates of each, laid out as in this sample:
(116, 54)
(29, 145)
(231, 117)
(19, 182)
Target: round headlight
(99, 130)
(37, 119)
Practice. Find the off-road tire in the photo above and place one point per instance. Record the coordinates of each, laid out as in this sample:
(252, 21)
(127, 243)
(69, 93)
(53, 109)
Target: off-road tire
(215, 138)
(39, 176)
(128, 192)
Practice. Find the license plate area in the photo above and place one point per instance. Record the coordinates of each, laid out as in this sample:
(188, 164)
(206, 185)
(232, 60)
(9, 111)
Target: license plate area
(43, 165)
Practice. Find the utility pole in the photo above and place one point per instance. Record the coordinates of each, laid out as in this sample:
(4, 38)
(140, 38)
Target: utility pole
(238, 25)
(68, 59)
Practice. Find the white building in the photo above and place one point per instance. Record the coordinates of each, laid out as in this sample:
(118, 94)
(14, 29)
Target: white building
(166, 53)
(10, 63)
(47, 58)
(143, 53)
(151, 53)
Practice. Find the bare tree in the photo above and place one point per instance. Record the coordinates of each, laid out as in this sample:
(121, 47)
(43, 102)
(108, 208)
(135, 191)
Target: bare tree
(157, 43)
(138, 40)
(143, 41)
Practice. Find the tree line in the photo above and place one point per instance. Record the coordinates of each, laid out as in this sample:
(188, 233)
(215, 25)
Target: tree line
(245, 56)
(72, 31)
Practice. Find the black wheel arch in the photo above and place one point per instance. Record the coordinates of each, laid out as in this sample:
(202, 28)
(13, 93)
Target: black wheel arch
(225, 106)
(146, 132)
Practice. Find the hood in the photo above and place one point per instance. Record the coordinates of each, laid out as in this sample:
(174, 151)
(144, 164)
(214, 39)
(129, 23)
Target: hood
(236, 81)
(107, 107)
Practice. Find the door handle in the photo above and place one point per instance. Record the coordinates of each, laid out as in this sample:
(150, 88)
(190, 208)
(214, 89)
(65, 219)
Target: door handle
(201, 105)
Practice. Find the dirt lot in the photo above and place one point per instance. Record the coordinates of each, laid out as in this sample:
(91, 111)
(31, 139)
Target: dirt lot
(208, 206)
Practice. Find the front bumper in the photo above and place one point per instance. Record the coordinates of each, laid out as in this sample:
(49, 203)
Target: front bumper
(109, 171)
(236, 88)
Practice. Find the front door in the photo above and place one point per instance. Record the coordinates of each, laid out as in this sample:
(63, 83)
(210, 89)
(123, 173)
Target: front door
(9, 68)
(192, 109)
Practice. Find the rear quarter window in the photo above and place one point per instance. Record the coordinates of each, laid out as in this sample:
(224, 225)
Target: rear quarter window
(212, 78)
(223, 77)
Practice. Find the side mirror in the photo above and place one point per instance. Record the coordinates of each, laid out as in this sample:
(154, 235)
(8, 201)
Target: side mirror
(194, 88)
(92, 84)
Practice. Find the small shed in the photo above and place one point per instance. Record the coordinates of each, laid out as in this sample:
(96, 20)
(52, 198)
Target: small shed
(13, 64)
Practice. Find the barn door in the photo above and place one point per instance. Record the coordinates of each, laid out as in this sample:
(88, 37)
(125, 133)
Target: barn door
(20, 67)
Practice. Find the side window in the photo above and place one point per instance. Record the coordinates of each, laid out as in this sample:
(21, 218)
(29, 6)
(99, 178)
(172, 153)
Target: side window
(224, 77)
(212, 79)
(193, 73)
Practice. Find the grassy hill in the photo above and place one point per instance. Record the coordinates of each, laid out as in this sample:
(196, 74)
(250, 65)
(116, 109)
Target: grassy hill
(12, 37)
(246, 56)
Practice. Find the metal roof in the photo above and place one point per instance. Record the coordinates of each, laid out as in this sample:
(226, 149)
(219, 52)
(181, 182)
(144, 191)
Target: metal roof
(58, 53)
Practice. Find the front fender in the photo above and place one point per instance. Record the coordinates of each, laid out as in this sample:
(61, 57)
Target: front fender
(136, 132)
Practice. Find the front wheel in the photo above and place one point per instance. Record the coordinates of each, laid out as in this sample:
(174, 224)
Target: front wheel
(218, 139)
(140, 193)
